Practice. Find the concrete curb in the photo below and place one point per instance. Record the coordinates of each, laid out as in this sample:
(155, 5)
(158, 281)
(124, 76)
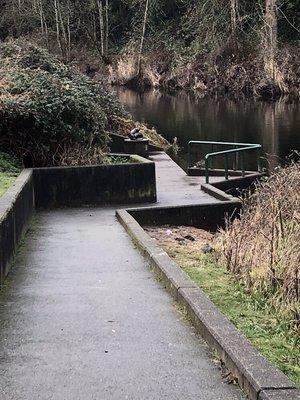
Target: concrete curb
(292, 394)
(256, 376)
(220, 189)
(217, 193)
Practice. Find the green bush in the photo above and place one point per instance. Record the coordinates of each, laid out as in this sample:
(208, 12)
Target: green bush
(47, 107)
(9, 164)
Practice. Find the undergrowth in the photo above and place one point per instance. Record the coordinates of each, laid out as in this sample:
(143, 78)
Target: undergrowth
(261, 248)
(276, 338)
(9, 170)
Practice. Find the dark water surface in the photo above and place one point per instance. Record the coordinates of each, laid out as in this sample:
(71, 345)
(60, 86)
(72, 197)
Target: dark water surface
(275, 125)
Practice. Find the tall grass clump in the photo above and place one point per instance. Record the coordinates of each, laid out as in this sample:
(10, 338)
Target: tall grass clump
(261, 247)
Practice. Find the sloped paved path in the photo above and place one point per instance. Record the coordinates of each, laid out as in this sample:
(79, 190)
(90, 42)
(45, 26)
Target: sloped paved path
(83, 318)
(174, 187)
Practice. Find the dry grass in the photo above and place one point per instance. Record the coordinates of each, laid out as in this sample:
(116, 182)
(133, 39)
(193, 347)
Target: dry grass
(261, 248)
(124, 70)
(79, 155)
(125, 125)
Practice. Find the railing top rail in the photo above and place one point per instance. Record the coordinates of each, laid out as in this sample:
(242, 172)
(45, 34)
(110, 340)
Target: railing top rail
(217, 153)
(191, 142)
(237, 148)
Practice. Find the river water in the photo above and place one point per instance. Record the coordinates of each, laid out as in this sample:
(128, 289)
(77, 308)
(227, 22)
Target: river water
(275, 125)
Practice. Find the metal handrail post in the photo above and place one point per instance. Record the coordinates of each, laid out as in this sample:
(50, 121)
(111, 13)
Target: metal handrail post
(189, 154)
(207, 169)
(226, 167)
(243, 164)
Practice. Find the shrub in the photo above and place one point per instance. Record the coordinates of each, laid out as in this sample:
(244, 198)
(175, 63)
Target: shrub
(47, 108)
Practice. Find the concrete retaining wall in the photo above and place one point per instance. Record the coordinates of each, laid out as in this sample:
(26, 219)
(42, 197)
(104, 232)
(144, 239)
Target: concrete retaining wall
(95, 185)
(233, 187)
(69, 187)
(204, 216)
(16, 207)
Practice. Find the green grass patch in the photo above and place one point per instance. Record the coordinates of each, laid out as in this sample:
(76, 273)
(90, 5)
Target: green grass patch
(277, 339)
(9, 170)
(6, 180)
(118, 159)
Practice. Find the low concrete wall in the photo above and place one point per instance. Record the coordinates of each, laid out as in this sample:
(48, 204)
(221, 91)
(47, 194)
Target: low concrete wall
(204, 216)
(234, 187)
(16, 207)
(95, 185)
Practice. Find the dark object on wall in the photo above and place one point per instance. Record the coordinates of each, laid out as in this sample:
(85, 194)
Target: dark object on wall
(136, 134)
(116, 144)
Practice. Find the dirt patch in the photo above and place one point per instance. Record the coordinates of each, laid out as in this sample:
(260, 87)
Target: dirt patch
(187, 236)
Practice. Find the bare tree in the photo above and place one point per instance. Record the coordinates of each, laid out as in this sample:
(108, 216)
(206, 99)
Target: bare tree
(139, 64)
(234, 17)
(56, 12)
(68, 30)
(271, 35)
(101, 23)
(107, 28)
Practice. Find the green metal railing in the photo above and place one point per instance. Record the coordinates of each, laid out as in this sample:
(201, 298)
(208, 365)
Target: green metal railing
(238, 149)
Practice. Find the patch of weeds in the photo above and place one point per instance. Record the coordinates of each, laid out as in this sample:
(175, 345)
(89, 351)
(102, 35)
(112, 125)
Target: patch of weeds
(277, 339)
(111, 159)
(9, 164)
(9, 170)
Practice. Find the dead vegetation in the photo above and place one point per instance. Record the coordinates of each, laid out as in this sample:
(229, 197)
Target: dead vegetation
(261, 248)
(125, 125)
(216, 73)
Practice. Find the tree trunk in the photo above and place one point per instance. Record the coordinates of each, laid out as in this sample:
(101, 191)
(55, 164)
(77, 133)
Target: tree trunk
(106, 29)
(101, 23)
(55, 2)
(69, 31)
(234, 17)
(62, 24)
(41, 12)
(271, 35)
(139, 64)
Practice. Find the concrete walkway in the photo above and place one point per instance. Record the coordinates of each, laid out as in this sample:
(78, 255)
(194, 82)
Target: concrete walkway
(82, 317)
(174, 187)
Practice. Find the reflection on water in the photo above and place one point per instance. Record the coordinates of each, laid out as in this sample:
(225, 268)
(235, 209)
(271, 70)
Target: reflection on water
(275, 125)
